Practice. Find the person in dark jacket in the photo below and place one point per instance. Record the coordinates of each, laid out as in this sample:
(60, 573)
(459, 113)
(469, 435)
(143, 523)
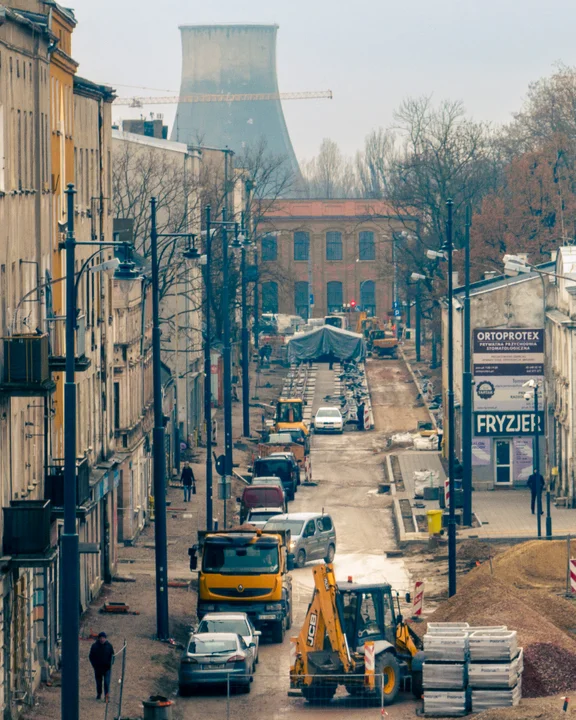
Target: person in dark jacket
(101, 658)
(360, 416)
(188, 482)
(536, 485)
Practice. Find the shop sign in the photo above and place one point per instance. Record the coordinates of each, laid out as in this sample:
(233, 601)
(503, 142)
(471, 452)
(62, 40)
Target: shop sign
(507, 423)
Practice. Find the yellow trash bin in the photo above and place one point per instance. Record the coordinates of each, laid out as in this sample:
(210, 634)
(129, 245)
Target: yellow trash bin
(434, 521)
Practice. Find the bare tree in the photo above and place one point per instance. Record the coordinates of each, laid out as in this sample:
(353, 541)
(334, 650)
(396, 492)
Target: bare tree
(329, 174)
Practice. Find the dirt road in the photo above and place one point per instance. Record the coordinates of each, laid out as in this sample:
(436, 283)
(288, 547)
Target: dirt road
(396, 408)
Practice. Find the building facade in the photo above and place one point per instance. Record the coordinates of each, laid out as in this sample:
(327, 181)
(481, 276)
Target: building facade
(325, 254)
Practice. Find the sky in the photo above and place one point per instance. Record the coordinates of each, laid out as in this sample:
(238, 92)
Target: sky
(370, 53)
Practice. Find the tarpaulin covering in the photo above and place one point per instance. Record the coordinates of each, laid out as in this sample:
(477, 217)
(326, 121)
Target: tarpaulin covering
(343, 344)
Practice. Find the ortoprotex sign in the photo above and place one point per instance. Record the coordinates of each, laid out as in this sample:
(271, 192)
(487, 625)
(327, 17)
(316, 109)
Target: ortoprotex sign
(507, 423)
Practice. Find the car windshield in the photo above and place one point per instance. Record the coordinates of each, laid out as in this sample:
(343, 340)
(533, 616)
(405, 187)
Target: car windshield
(231, 560)
(213, 625)
(289, 412)
(329, 412)
(201, 646)
(295, 526)
(271, 467)
(262, 516)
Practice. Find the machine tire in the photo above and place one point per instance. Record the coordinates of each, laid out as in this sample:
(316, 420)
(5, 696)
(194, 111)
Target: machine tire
(387, 665)
(278, 632)
(417, 687)
(319, 694)
(301, 558)
(330, 554)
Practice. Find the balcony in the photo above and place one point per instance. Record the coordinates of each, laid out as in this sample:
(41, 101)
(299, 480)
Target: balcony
(54, 484)
(26, 370)
(28, 532)
(57, 359)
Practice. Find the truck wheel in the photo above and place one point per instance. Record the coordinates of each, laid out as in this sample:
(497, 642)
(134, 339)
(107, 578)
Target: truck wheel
(387, 666)
(278, 632)
(301, 558)
(330, 554)
(318, 694)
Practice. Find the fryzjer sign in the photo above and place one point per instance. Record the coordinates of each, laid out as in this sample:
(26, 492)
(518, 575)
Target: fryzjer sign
(507, 423)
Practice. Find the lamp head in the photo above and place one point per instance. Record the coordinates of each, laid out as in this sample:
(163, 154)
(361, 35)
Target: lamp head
(435, 255)
(416, 277)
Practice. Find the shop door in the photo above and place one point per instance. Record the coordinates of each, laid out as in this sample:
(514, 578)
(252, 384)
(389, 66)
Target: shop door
(503, 458)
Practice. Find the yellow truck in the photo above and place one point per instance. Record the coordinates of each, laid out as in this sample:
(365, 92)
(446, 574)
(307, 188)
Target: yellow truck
(383, 342)
(245, 570)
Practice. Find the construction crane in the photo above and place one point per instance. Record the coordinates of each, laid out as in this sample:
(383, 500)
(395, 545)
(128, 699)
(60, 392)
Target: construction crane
(138, 102)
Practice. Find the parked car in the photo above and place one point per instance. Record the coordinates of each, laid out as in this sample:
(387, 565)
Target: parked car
(282, 467)
(233, 622)
(260, 496)
(213, 658)
(289, 456)
(329, 419)
(312, 535)
(272, 480)
(260, 516)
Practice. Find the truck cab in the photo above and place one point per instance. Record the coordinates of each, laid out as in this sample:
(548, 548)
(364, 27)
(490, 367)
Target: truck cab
(245, 570)
(290, 415)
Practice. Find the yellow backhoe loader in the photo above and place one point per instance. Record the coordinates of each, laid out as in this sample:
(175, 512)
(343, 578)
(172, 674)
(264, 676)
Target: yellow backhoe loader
(353, 635)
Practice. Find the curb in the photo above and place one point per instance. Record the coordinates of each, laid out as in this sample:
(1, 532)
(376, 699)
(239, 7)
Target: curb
(420, 393)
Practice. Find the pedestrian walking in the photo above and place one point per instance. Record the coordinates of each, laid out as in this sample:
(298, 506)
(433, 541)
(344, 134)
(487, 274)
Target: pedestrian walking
(101, 658)
(188, 482)
(536, 485)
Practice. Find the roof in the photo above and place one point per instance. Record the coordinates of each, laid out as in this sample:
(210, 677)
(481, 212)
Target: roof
(352, 208)
(215, 636)
(176, 147)
(92, 89)
(225, 616)
(497, 281)
(297, 516)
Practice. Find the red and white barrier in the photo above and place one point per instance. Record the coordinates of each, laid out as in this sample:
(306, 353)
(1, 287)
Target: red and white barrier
(447, 492)
(369, 657)
(418, 602)
(367, 424)
(572, 575)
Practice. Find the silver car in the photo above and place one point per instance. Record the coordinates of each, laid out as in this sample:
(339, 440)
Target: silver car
(215, 658)
(260, 516)
(233, 622)
(312, 535)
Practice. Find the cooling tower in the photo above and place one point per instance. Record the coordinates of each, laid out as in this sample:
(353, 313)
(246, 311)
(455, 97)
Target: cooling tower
(231, 59)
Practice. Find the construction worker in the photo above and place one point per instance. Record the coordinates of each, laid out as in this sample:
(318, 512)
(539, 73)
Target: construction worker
(101, 658)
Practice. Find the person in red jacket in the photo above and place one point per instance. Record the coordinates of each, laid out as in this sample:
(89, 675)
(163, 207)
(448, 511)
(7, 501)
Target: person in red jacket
(101, 658)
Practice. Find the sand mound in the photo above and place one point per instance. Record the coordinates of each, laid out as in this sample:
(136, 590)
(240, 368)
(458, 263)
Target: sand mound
(534, 564)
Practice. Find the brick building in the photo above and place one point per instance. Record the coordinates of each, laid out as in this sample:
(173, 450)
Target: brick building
(343, 248)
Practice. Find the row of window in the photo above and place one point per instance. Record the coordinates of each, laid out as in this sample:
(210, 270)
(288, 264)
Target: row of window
(334, 248)
(334, 297)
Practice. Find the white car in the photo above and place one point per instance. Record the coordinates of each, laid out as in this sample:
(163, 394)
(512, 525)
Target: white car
(329, 419)
(233, 622)
(260, 516)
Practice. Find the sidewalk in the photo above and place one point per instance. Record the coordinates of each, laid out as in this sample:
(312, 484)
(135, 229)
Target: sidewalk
(152, 666)
(503, 514)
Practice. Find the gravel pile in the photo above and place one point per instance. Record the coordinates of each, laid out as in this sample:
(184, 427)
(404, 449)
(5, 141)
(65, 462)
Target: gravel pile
(549, 652)
(534, 565)
(474, 550)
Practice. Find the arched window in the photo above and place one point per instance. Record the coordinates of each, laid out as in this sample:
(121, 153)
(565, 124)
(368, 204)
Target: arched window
(270, 297)
(334, 296)
(301, 245)
(333, 245)
(368, 296)
(269, 248)
(301, 298)
(366, 249)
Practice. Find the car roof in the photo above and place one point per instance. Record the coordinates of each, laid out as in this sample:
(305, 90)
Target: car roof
(327, 407)
(265, 509)
(265, 477)
(299, 516)
(224, 616)
(282, 454)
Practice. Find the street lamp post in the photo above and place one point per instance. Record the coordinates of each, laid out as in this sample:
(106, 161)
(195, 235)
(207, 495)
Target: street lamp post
(537, 461)
(226, 357)
(450, 398)
(69, 540)
(208, 372)
(245, 346)
(417, 320)
(467, 386)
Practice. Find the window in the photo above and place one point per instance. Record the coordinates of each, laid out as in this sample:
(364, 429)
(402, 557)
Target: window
(324, 523)
(334, 296)
(301, 245)
(301, 298)
(310, 529)
(269, 248)
(2, 151)
(366, 250)
(333, 245)
(116, 406)
(270, 297)
(368, 296)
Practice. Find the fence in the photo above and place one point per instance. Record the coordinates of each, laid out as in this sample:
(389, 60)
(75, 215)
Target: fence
(338, 698)
(113, 709)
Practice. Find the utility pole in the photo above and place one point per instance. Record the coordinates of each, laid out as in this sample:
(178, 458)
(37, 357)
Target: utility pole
(418, 340)
(158, 441)
(226, 348)
(450, 398)
(208, 372)
(245, 343)
(537, 461)
(467, 384)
